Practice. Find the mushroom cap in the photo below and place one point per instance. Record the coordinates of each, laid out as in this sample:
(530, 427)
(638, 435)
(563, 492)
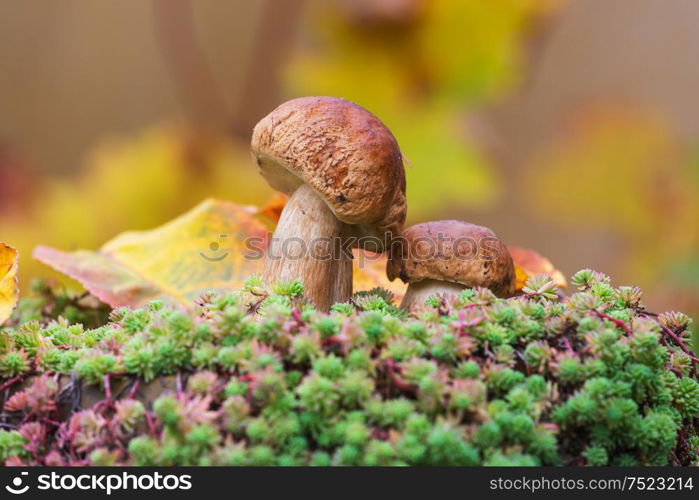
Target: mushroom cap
(454, 251)
(349, 158)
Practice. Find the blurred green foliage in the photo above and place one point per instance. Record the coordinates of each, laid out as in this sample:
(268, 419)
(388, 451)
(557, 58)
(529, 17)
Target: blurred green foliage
(419, 70)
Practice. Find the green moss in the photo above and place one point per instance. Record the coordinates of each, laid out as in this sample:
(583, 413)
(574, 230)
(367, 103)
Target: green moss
(537, 379)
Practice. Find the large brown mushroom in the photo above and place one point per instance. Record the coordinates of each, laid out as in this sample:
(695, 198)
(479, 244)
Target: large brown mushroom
(444, 257)
(343, 172)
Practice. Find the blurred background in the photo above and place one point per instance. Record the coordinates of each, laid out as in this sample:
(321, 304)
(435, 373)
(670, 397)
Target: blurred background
(569, 127)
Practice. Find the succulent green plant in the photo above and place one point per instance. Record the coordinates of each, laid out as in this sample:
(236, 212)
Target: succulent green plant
(259, 377)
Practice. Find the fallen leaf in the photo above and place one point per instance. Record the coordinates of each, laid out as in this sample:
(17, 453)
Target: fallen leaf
(215, 246)
(9, 284)
(272, 210)
(370, 272)
(529, 263)
(202, 250)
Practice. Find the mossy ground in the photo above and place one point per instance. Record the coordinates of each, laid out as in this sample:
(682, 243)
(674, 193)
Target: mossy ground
(258, 377)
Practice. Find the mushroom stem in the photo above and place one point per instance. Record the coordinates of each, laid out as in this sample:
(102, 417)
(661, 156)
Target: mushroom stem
(307, 246)
(419, 291)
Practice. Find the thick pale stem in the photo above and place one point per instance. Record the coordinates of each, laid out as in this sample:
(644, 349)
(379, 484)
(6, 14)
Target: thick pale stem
(418, 292)
(307, 246)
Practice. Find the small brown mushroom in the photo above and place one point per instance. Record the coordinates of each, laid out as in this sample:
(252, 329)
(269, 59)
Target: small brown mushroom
(343, 172)
(444, 257)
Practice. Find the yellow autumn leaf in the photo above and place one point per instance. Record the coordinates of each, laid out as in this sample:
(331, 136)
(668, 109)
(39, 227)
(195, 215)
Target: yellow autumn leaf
(202, 250)
(215, 246)
(9, 285)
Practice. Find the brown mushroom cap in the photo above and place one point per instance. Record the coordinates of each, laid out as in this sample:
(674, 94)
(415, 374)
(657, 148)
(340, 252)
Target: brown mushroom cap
(349, 158)
(454, 251)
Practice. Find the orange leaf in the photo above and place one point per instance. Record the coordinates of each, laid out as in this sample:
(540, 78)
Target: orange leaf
(529, 263)
(272, 210)
(9, 285)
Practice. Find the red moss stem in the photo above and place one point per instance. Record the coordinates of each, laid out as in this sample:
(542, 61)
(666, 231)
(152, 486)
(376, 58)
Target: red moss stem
(14, 380)
(134, 389)
(393, 370)
(616, 321)
(679, 342)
